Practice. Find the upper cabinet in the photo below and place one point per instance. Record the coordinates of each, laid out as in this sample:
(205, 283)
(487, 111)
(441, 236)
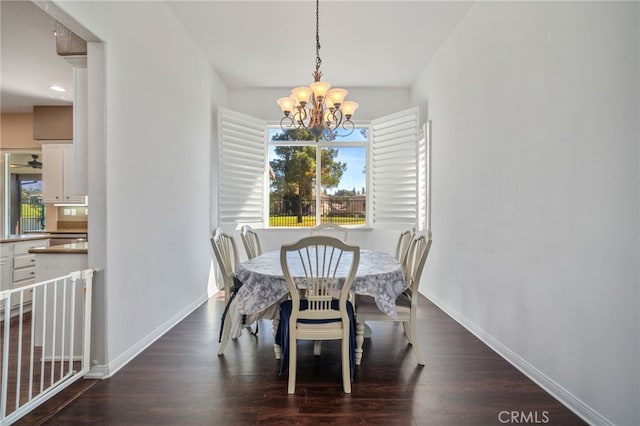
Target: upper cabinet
(53, 122)
(58, 175)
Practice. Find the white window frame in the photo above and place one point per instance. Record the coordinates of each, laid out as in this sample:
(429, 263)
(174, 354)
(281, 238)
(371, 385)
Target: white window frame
(318, 190)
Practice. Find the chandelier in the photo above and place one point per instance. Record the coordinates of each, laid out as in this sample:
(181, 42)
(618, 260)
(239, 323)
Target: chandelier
(318, 108)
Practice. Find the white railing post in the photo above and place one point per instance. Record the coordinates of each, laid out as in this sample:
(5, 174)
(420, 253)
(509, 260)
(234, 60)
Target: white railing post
(19, 366)
(86, 341)
(6, 299)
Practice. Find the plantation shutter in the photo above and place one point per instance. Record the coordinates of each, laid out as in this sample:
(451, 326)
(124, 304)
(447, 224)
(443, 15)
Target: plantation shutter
(423, 178)
(394, 166)
(241, 168)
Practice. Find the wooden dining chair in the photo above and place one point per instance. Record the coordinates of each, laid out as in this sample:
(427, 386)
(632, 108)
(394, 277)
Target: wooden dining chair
(250, 241)
(312, 313)
(406, 304)
(330, 229)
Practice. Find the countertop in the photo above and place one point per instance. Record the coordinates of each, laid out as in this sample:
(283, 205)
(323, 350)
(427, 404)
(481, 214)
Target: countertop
(67, 231)
(24, 237)
(71, 248)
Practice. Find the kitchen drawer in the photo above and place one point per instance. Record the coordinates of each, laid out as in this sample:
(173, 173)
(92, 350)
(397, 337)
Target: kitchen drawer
(23, 274)
(24, 261)
(25, 246)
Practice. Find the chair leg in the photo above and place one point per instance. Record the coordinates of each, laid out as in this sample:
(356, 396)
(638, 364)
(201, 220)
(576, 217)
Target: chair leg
(407, 330)
(414, 341)
(277, 350)
(359, 341)
(293, 356)
(317, 347)
(346, 364)
(226, 332)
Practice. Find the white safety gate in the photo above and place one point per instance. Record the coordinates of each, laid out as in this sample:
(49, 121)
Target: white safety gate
(45, 332)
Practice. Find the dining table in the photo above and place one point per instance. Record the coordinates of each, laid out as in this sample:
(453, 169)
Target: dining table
(379, 275)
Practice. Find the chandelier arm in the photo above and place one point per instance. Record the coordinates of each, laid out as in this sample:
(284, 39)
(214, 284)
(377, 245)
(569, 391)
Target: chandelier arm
(348, 126)
(299, 118)
(336, 118)
(286, 122)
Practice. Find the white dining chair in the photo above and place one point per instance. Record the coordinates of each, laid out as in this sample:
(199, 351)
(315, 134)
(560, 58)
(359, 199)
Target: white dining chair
(330, 229)
(314, 313)
(226, 253)
(250, 241)
(406, 304)
(232, 322)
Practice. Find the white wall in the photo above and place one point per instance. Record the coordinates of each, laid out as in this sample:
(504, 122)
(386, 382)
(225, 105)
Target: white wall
(157, 156)
(535, 109)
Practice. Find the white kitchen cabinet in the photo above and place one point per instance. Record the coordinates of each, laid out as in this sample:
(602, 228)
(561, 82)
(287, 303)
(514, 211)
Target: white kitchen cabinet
(58, 175)
(19, 266)
(6, 266)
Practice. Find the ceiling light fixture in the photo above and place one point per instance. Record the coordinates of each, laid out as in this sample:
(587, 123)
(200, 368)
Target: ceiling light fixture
(57, 88)
(328, 111)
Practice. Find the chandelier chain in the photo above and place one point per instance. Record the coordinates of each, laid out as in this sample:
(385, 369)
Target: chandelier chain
(318, 60)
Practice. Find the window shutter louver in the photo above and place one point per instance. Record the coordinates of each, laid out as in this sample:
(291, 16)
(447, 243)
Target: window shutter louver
(423, 179)
(242, 166)
(394, 167)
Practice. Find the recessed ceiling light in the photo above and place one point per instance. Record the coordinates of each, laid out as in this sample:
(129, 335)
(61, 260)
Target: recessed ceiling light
(57, 88)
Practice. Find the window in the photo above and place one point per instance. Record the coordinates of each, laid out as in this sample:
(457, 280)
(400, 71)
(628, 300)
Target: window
(24, 210)
(376, 177)
(297, 163)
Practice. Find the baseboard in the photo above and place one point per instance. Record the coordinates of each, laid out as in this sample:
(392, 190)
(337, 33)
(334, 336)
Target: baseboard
(573, 403)
(105, 371)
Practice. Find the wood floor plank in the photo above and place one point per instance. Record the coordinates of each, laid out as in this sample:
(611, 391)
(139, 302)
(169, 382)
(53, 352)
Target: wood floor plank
(179, 380)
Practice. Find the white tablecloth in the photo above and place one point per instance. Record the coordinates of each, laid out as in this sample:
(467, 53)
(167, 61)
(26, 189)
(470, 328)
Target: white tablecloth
(379, 275)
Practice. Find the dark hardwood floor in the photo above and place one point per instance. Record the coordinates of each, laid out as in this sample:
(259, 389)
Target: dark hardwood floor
(180, 380)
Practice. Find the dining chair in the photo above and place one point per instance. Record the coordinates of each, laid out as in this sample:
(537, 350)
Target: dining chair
(250, 241)
(406, 304)
(232, 322)
(312, 313)
(226, 253)
(330, 229)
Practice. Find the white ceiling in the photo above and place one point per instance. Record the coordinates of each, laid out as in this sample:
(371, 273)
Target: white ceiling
(363, 43)
(29, 60)
(253, 44)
